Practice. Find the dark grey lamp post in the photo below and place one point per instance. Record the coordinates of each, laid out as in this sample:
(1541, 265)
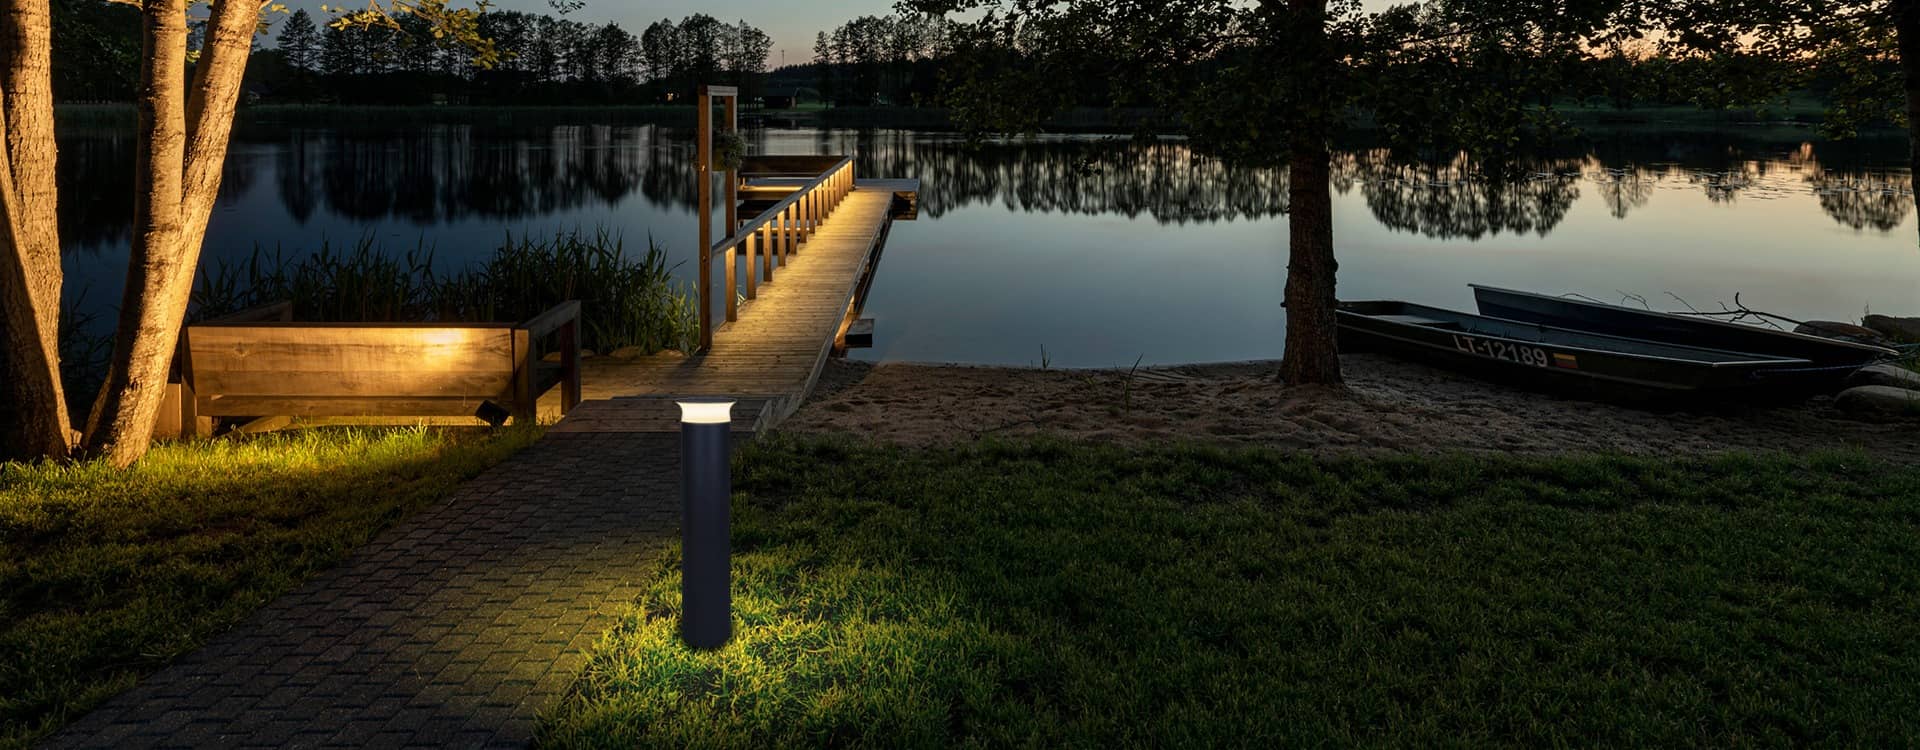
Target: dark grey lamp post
(706, 603)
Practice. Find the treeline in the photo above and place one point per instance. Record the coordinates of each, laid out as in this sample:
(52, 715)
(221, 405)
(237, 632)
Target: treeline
(892, 60)
(543, 59)
(880, 60)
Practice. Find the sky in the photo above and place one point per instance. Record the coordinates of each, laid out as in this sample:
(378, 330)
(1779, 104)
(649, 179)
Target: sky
(792, 24)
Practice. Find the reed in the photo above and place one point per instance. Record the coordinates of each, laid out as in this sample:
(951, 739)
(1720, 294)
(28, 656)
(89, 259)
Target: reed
(625, 300)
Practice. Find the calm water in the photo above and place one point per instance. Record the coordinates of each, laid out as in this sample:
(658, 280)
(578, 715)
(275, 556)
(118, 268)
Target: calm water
(1099, 251)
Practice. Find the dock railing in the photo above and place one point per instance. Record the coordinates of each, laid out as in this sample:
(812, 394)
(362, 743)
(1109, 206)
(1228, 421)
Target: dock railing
(777, 232)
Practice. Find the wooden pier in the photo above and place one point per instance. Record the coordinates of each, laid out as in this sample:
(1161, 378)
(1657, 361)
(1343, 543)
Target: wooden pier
(772, 349)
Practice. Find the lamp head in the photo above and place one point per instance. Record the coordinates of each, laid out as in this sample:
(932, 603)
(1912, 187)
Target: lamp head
(705, 410)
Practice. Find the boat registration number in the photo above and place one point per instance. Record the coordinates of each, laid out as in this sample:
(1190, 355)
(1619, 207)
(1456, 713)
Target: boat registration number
(1531, 356)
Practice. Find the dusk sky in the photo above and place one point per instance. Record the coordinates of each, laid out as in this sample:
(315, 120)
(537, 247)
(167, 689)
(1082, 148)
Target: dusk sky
(792, 25)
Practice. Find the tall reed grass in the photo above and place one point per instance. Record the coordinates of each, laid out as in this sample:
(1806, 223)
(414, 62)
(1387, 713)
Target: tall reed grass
(625, 300)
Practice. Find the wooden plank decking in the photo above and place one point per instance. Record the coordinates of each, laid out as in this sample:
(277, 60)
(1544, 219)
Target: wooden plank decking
(772, 354)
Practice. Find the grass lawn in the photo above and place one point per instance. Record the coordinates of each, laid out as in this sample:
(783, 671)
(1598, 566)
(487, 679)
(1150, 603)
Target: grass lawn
(1059, 595)
(106, 575)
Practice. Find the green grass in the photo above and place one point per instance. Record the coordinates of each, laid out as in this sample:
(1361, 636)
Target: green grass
(106, 575)
(1056, 595)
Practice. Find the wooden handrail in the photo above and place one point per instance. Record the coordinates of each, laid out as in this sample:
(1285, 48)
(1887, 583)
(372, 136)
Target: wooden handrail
(774, 234)
(738, 235)
(551, 320)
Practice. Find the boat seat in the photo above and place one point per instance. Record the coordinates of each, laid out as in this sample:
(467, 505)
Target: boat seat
(1416, 320)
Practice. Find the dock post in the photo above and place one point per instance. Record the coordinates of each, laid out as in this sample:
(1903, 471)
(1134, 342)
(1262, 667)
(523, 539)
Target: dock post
(703, 174)
(766, 251)
(753, 271)
(733, 295)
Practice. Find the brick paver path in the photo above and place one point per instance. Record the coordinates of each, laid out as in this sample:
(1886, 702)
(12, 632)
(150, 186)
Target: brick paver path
(454, 628)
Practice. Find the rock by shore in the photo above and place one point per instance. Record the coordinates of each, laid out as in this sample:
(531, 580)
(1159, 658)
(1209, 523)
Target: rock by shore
(1897, 330)
(1879, 399)
(1834, 329)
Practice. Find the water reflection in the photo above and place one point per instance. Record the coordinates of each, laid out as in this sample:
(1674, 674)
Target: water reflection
(1872, 201)
(1100, 250)
(1458, 199)
(448, 174)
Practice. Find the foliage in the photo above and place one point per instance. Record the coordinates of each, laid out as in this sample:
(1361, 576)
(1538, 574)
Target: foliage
(1040, 594)
(729, 151)
(300, 41)
(437, 19)
(1850, 48)
(700, 49)
(107, 575)
(624, 301)
(887, 59)
(97, 50)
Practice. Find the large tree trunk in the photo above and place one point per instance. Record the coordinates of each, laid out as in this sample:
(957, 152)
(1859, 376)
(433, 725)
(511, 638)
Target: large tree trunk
(1906, 29)
(1311, 355)
(184, 144)
(33, 422)
(134, 384)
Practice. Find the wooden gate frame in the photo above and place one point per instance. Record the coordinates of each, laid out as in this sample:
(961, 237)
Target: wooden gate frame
(702, 169)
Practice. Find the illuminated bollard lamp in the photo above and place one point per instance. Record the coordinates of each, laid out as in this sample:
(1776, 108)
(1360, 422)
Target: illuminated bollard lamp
(706, 487)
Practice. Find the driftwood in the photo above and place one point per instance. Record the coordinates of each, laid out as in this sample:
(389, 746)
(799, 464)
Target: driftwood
(1738, 313)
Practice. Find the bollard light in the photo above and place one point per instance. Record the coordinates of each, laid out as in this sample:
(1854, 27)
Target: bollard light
(706, 487)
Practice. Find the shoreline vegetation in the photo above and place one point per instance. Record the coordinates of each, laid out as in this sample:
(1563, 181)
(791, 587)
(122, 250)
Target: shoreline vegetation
(1795, 114)
(628, 300)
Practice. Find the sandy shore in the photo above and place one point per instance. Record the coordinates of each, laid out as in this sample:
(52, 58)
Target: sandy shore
(1388, 406)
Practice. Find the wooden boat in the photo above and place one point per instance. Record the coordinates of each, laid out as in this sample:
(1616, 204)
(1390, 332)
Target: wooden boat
(1580, 362)
(1666, 328)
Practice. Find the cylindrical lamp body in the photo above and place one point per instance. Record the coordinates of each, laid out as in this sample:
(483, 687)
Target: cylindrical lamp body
(706, 601)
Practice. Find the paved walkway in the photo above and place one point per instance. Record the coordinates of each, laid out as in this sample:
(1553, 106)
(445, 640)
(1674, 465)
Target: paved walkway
(458, 626)
(454, 628)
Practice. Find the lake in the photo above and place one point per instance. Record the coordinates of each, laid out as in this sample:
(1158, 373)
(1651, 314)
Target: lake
(1090, 251)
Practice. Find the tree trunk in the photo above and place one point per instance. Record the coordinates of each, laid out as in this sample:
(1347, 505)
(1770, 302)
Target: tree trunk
(1311, 355)
(144, 340)
(185, 145)
(34, 421)
(1906, 29)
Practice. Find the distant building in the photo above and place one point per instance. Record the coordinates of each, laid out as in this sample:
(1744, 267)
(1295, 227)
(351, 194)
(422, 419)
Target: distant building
(782, 98)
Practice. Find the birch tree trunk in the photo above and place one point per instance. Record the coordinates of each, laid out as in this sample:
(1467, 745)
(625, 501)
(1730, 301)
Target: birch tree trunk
(183, 144)
(33, 422)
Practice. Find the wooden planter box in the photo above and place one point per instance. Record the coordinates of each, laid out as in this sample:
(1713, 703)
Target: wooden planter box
(260, 364)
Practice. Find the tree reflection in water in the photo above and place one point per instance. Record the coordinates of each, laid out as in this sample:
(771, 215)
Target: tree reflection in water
(444, 174)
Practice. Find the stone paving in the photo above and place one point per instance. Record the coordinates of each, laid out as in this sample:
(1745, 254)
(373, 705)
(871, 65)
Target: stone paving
(453, 628)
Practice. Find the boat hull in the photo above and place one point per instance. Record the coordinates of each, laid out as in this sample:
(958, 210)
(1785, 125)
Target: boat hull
(1567, 361)
(1684, 330)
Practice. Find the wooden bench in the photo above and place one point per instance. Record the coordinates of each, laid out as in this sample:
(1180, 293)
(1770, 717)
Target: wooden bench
(260, 364)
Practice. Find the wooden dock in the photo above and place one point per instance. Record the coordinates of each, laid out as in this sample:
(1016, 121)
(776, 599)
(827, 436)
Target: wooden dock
(770, 356)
